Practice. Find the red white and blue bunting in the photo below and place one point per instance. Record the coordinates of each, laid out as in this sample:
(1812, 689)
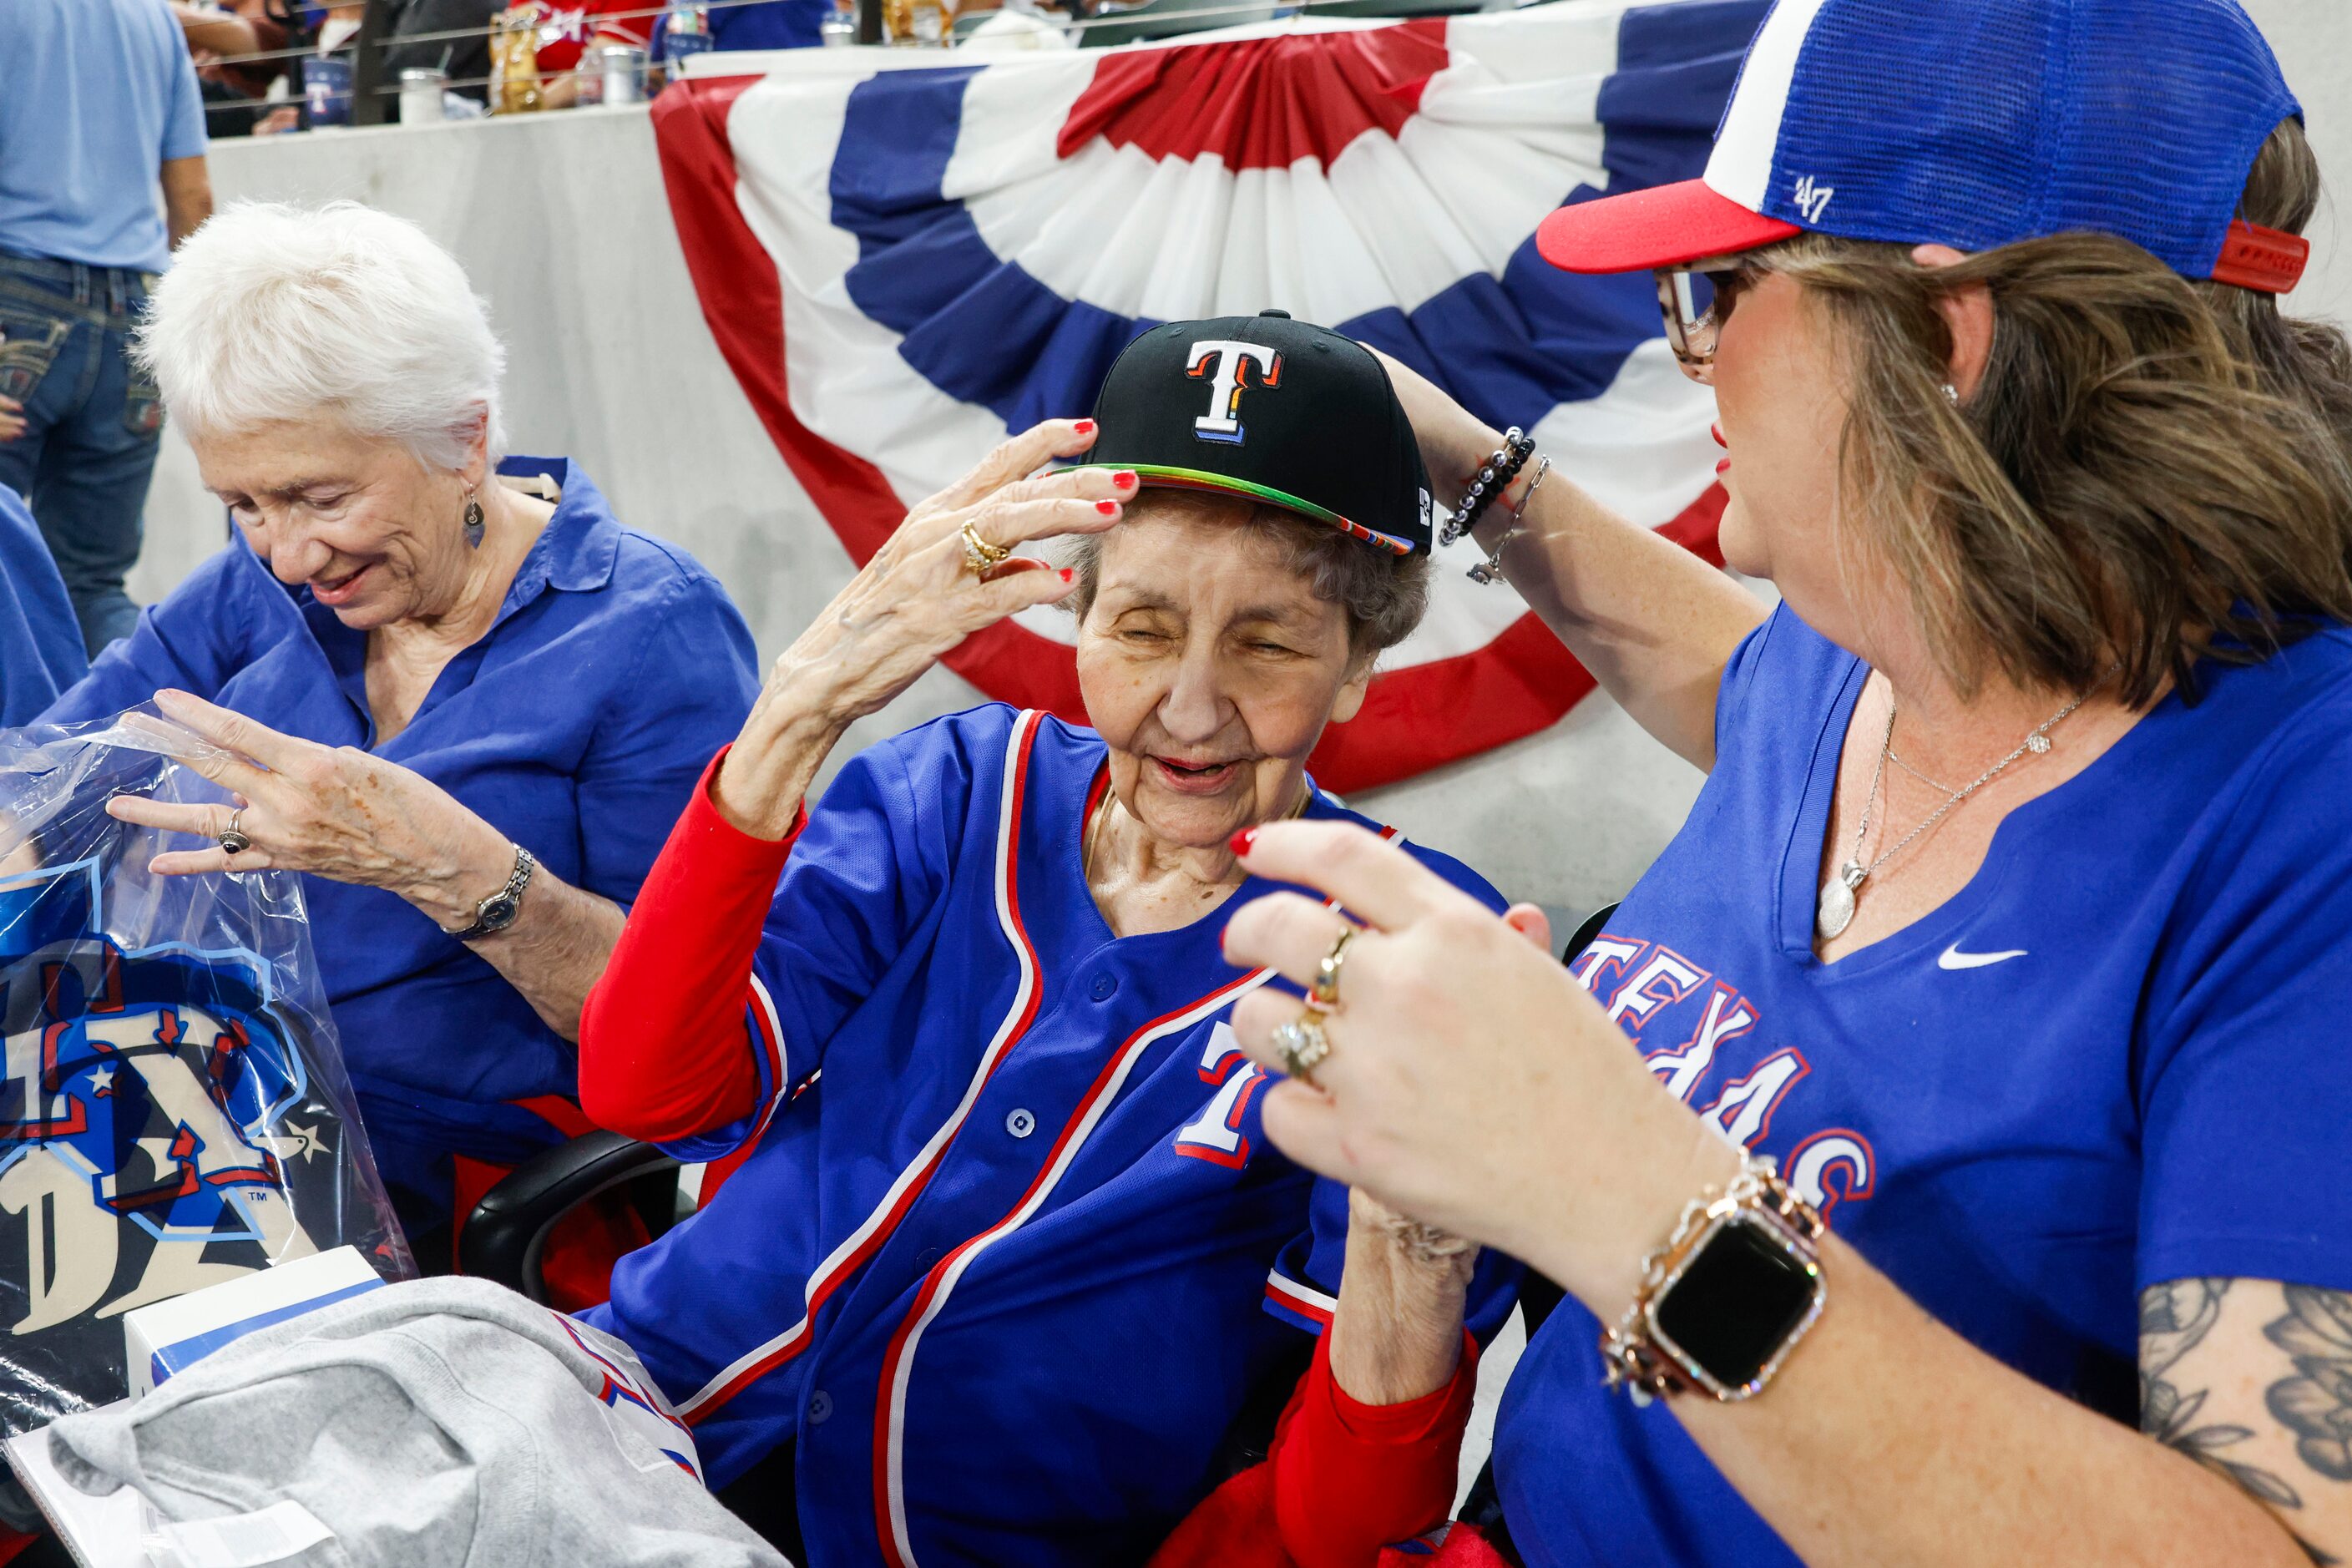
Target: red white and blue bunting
(904, 257)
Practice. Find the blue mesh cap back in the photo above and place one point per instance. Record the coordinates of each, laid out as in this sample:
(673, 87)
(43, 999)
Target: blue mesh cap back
(1980, 122)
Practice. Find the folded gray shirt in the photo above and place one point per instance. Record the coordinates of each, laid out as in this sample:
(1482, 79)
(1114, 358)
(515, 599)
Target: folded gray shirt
(434, 1424)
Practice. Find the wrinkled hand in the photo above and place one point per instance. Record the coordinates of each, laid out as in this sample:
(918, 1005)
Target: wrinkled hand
(915, 599)
(1453, 441)
(334, 811)
(1471, 1083)
(12, 419)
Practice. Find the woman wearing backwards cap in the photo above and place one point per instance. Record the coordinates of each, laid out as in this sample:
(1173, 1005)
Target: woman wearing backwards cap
(2015, 919)
(1001, 1281)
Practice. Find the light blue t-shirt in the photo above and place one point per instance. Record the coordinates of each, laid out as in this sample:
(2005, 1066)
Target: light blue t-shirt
(95, 97)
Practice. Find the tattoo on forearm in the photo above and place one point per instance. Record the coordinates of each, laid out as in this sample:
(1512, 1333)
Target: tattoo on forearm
(2316, 1404)
(2174, 1318)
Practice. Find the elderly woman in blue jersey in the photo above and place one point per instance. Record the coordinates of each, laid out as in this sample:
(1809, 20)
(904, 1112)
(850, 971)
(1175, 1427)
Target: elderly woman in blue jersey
(455, 690)
(2015, 919)
(1007, 1257)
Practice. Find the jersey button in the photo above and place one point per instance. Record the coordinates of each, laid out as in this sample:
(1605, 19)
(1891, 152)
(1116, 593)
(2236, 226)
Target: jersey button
(1020, 1124)
(1106, 985)
(820, 1409)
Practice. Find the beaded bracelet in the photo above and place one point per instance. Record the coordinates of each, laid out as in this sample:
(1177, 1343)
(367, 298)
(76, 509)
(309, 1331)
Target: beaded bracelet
(1492, 480)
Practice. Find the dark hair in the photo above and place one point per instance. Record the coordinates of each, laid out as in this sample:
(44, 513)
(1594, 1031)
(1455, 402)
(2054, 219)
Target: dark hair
(1384, 596)
(2152, 471)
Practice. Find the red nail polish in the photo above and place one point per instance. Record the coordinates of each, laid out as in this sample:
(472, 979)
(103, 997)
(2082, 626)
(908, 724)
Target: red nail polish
(1123, 479)
(1068, 574)
(1240, 842)
(1085, 427)
(1107, 508)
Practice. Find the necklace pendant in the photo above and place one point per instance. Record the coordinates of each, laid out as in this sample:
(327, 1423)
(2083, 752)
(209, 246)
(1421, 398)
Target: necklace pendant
(2037, 743)
(1834, 912)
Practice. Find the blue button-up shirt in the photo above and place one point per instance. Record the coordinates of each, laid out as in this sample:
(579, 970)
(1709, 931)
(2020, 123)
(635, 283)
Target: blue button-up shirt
(577, 726)
(40, 641)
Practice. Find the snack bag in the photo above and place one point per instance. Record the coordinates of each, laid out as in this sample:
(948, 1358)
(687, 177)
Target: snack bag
(174, 1108)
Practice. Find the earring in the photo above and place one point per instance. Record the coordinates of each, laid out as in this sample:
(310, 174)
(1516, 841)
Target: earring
(1951, 395)
(474, 521)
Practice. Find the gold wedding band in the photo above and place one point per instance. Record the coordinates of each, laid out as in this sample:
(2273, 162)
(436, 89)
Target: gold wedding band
(1303, 1045)
(1325, 992)
(979, 554)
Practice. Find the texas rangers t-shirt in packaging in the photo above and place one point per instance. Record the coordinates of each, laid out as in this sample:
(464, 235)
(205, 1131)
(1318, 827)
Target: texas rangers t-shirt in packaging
(174, 1109)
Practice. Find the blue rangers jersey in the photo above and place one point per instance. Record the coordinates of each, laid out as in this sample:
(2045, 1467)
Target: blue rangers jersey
(1010, 1261)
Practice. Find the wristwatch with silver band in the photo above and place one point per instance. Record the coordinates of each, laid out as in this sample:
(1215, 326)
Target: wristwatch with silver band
(1728, 1296)
(498, 912)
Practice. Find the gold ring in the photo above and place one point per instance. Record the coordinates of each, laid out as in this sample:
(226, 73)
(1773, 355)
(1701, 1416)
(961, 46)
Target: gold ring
(1303, 1045)
(979, 554)
(1325, 992)
(233, 839)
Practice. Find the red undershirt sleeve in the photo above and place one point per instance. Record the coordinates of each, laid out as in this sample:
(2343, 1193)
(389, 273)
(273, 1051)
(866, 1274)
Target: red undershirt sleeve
(1351, 1477)
(665, 1045)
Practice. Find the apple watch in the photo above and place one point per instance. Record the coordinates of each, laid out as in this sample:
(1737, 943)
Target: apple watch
(1728, 1296)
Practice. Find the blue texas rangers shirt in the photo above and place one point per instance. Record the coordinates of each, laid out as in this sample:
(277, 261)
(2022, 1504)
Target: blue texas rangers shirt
(577, 726)
(2113, 1059)
(1008, 1271)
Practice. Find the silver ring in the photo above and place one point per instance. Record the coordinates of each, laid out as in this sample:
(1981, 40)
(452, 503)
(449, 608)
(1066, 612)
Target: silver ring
(233, 839)
(1324, 994)
(1303, 1045)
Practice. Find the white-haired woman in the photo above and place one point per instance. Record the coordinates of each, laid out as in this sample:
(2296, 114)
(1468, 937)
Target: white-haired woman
(473, 702)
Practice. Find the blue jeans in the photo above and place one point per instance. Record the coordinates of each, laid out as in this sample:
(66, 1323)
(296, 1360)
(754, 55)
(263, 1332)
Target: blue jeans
(92, 426)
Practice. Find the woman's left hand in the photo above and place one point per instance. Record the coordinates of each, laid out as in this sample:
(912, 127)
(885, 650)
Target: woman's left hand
(1471, 1082)
(334, 811)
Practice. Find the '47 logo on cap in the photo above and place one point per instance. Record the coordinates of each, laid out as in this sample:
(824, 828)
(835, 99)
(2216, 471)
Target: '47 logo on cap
(1225, 364)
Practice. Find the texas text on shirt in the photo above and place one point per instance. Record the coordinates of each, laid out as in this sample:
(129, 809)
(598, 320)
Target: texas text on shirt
(2117, 1063)
(1107, 1235)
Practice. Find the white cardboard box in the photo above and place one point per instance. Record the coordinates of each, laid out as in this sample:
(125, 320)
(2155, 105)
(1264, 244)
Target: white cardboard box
(171, 1336)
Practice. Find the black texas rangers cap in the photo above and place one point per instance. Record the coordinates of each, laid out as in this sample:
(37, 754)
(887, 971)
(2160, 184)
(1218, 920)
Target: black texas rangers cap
(1273, 410)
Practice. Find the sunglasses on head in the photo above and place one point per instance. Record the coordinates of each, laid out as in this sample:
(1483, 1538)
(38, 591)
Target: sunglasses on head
(1695, 302)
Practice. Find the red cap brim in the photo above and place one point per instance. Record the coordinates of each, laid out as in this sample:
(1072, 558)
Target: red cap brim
(1665, 225)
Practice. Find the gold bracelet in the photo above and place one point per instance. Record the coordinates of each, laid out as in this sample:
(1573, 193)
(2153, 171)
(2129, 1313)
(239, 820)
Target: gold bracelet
(1636, 1353)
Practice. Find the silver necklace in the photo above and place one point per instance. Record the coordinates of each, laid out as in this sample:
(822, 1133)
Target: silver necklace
(1839, 893)
(1896, 758)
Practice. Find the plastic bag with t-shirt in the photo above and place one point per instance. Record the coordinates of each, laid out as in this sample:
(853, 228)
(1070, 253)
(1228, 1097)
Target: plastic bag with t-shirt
(174, 1110)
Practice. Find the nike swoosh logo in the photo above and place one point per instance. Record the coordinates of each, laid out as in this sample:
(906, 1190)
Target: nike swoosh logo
(1953, 958)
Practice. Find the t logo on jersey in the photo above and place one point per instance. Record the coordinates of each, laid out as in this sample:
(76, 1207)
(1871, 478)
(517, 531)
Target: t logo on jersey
(1217, 1136)
(1225, 366)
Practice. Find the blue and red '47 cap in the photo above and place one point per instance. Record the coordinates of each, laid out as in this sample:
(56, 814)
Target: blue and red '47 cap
(1975, 123)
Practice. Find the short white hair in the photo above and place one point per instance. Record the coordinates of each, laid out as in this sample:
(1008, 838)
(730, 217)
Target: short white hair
(273, 312)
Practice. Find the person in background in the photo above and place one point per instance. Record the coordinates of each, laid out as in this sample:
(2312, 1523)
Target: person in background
(571, 31)
(40, 642)
(479, 699)
(98, 105)
(771, 24)
(237, 93)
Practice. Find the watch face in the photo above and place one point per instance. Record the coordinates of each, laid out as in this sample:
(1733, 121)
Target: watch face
(1738, 1305)
(500, 912)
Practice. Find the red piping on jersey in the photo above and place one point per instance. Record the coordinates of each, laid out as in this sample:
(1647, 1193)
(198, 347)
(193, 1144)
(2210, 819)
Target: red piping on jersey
(935, 1287)
(868, 1238)
(1293, 1297)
